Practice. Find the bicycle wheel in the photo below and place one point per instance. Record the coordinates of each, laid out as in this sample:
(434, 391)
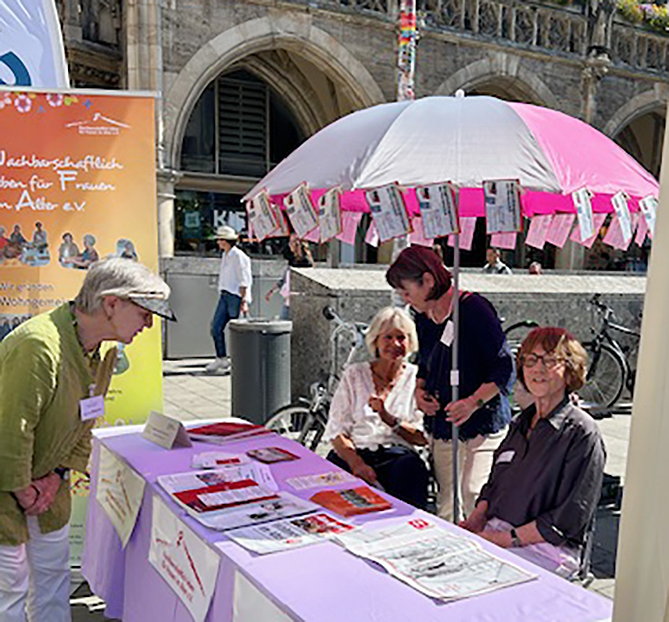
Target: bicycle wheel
(298, 423)
(606, 376)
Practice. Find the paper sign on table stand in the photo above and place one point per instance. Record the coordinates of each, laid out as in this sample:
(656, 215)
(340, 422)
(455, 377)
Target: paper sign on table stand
(119, 492)
(183, 560)
(165, 431)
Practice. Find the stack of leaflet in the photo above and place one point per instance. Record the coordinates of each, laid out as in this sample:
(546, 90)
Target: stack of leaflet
(226, 432)
(233, 497)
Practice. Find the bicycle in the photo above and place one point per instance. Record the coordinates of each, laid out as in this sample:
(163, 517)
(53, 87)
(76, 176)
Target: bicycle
(516, 333)
(609, 372)
(304, 421)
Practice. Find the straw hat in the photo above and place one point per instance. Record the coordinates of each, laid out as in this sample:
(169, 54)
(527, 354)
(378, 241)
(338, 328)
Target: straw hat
(226, 233)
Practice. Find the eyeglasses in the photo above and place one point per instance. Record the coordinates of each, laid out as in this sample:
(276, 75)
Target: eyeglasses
(549, 360)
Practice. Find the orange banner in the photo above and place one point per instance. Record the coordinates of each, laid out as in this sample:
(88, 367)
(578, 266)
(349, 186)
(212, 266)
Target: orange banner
(77, 184)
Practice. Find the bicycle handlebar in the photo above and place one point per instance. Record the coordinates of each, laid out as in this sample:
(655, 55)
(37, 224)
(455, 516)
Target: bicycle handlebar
(595, 301)
(332, 316)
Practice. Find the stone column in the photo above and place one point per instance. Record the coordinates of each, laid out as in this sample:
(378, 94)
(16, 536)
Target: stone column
(71, 21)
(166, 181)
(145, 72)
(594, 70)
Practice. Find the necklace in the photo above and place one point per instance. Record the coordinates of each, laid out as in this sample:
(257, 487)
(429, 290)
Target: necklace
(385, 385)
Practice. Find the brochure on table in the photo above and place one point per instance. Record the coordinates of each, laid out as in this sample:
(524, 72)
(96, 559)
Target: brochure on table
(183, 560)
(433, 561)
(232, 497)
(291, 533)
(119, 491)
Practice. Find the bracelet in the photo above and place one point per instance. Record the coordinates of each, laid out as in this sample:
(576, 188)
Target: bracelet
(397, 426)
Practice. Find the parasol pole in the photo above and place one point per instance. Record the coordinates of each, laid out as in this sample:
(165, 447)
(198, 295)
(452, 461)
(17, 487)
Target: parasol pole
(455, 372)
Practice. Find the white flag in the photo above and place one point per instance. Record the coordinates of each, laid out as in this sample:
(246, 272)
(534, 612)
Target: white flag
(31, 45)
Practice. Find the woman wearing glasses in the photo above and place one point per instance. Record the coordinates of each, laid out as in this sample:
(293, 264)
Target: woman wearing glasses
(547, 473)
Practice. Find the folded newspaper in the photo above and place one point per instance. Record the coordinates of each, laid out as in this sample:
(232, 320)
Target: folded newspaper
(233, 497)
(436, 562)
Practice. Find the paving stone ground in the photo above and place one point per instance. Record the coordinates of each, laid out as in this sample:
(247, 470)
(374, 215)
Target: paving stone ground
(190, 394)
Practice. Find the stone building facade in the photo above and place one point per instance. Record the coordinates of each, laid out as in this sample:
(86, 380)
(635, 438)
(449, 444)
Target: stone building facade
(243, 82)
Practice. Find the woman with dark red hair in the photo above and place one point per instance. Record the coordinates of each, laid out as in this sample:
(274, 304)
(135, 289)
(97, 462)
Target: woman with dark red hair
(482, 413)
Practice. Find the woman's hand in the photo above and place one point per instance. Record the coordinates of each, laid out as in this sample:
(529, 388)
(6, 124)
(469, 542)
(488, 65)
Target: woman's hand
(27, 497)
(48, 487)
(38, 497)
(377, 405)
(365, 472)
(475, 522)
(500, 538)
(458, 412)
(426, 402)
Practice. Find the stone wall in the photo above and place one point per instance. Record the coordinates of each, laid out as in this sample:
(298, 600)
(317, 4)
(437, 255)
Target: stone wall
(357, 294)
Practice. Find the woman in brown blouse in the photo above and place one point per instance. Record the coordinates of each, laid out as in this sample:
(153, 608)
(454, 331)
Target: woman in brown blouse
(547, 473)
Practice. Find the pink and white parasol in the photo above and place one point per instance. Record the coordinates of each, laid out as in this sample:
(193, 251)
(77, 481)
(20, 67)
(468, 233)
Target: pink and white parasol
(465, 141)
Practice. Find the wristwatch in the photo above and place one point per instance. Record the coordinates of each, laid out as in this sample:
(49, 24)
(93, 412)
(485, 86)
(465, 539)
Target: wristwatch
(515, 540)
(63, 473)
(397, 426)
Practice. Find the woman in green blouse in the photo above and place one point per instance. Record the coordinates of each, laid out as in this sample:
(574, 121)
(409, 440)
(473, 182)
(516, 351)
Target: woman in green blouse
(52, 385)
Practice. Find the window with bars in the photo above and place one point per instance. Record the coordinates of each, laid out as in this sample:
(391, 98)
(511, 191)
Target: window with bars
(238, 127)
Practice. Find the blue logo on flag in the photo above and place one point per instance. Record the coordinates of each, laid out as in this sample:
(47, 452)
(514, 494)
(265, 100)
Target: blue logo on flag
(16, 66)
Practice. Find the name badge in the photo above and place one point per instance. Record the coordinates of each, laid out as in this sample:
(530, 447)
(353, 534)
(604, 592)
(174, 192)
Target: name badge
(505, 456)
(448, 333)
(92, 407)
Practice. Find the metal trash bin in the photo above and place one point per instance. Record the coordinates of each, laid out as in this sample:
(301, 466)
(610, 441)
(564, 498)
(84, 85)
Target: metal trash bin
(260, 355)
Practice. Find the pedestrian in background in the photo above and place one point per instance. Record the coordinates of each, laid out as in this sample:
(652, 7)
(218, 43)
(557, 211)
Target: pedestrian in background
(299, 256)
(52, 383)
(495, 265)
(234, 286)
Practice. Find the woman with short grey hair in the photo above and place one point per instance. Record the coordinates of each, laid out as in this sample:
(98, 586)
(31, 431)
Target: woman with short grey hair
(53, 382)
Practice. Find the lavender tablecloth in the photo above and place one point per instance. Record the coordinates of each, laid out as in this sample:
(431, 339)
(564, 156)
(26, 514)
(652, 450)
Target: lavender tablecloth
(320, 583)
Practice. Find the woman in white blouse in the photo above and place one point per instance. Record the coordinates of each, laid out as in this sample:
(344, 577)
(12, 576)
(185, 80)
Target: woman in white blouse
(373, 420)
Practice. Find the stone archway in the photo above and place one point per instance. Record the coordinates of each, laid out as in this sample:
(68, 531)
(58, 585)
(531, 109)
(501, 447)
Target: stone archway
(506, 73)
(638, 127)
(653, 100)
(294, 33)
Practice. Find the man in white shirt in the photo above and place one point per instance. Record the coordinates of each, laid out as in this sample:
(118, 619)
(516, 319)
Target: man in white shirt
(495, 265)
(234, 285)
